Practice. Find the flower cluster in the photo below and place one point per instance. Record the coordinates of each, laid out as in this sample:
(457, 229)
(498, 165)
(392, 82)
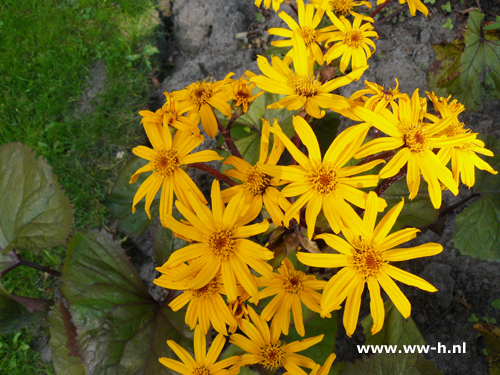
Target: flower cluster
(227, 265)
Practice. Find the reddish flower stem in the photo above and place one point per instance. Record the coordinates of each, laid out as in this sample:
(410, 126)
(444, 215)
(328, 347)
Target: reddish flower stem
(382, 6)
(387, 155)
(218, 175)
(228, 139)
(391, 15)
(389, 181)
(294, 9)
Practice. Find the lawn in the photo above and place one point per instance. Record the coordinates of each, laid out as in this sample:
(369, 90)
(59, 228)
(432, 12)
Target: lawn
(73, 75)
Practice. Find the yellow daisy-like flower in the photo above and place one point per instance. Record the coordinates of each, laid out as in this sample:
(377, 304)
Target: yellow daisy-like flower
(305, 29)
(463, 158)
(239, 311)
(172, 114)
(165, 161)
(365, 258)
(201, 97)
(267, 4)
(205, 304)
(406, 129)
(380, 98)
(414, 5)
(325, 369)
(352, 41)
(291, 287)
(242, 93)
(264, 347)
(220, 245)
(340, 7)
(257, 187)
(203, 363)
(301, 87)
(324, 182)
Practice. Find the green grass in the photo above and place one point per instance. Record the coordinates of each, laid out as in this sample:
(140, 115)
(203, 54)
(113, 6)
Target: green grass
(48, 49)
(16, 356)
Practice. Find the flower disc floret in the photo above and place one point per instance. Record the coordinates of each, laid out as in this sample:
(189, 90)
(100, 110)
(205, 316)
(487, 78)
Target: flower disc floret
(353, 39)
(324, 180)
(202, 370)
(273, 355)
(256, 182)
(415, 137)
(366, 258)
(221, 242)
(294, 283)
(306, 86)
(308, 34)
(165, 162)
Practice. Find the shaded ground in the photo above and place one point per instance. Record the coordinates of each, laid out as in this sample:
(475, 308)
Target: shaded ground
(203, 45)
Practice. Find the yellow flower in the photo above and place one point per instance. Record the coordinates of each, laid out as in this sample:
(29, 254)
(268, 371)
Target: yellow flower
(242, 93)
(352, 41)
(308, 22)
(414, 5)
(220, 245)
(291, 287)
(301, 87)
(380, 97)
(171, 114)
(239, 311)
(365, 258)
(325, 369)
(463, 158)
(165, 161)
(205, 304)
(406, 129)
(264, 347)
(340, 7)
(258, 187)
(267, 4)
(200, 97)
(324, 182)
(203, 363)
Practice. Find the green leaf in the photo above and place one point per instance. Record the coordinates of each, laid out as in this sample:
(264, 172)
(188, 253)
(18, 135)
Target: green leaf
(315, 326)
(446, 67)
(35, 213)
(448, 24)
(478, 226)
(429, 2)
(479, 72)
(496, 304)
(446, 7)
(427, 367)
(396, 331)
(417, 213)
(492, 26)
(383, 364)
(7, 261)
(164, 241)
(64, 364)
(119, 201)
(491, 335)
(326, 130)
(249, 148)
(14, 316)
(280, 52)
(121, 328)
(259, 17)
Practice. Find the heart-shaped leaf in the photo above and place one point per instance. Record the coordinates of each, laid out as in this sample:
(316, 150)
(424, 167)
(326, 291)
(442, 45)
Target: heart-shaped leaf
(121, 328)
(35, 213)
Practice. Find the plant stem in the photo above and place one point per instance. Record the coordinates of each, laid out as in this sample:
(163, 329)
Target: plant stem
(228, 139)
(384, 156)
(375, 12)
(389, 181)
(458, 204)
(294, 9)
(391, 15)
(25, 262)
(214, 172)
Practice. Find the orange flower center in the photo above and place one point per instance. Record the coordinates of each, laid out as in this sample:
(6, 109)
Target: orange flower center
(272, 355)
(305, 86)
(455, 128)
(201, 370)
(206, 291)
(294, 282)
(221, 243)
(201, 93)
(165, 162)
(341, 7)
(415, 137)
(324, 180)
(353, 39)
(308, 34)
(256, 182)
(366, 259)
(467, 147)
